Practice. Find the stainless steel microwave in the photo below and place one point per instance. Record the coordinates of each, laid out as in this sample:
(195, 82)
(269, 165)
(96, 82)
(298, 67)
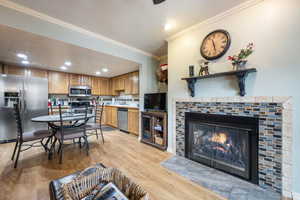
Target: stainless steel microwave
(80, 91)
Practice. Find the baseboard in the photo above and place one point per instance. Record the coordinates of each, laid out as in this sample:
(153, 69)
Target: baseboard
(296, 196)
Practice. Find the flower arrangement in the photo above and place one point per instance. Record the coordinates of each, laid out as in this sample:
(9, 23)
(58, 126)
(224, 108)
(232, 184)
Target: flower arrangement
(239, 60)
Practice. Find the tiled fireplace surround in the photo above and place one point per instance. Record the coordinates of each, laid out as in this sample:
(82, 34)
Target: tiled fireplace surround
(275, 132)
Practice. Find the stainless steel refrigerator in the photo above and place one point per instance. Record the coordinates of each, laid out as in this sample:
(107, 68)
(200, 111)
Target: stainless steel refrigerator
(31, 93)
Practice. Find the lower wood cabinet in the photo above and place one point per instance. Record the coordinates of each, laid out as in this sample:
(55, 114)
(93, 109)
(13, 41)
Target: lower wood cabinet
(133, 121)
(108, 119)
(111, 116)
(114, 116)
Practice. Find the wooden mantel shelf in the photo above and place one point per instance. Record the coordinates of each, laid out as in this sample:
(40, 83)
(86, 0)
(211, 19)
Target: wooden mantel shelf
(240, 74)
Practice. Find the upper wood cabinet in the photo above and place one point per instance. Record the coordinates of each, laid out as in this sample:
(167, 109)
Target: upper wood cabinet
(96, 82)
(75, 79)
(113, 86)
(78, 79)
(86, 80)
(135, 80)
(100, 86)
(104, 87)
(37, 73)
(14, 70)
(58, 82)
(129, 83)
(21, 71)
(121, 82)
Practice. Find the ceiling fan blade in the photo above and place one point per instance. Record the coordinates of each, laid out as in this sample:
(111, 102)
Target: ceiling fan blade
(158, 1)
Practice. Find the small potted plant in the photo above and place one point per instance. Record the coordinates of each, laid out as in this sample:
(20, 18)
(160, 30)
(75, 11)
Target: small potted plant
(239, 61)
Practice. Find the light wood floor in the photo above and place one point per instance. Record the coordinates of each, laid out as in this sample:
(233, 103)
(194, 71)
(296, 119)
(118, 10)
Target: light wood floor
(138, 161)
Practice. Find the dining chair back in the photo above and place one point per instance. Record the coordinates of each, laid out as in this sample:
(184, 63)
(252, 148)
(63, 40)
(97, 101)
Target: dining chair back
(93, 127)
(18, 121)
(71, 132)
(29, 136)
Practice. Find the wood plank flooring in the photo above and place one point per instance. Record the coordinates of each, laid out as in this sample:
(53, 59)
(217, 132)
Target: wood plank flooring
(138, 161)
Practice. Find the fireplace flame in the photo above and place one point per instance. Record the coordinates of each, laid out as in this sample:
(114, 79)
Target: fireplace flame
(219, 138)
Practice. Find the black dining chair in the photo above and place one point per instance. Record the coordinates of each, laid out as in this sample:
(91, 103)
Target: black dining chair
(24, 137)
(70, 133)
(97, 123)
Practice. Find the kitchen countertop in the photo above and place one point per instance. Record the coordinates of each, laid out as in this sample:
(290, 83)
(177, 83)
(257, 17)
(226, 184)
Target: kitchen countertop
(119, 106)
(63, 107)
(123, 106)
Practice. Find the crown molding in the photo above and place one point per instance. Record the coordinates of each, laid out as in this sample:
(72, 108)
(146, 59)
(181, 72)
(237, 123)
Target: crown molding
(47, 18)
(216, 18)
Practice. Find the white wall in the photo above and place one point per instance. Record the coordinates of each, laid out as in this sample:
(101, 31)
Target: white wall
(274, 27)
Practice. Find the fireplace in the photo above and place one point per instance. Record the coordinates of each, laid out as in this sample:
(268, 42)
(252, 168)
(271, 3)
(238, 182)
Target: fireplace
(224, 142)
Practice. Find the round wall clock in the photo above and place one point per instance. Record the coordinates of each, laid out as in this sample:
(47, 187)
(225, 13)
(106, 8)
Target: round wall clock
(215, 44)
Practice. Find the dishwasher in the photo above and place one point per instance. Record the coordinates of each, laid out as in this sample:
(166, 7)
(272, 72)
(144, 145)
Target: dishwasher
(123, 119)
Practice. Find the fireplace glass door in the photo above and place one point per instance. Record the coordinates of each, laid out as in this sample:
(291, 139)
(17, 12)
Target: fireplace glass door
(222, 147)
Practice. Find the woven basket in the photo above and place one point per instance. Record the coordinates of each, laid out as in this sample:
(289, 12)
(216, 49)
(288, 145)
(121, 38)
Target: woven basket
(82, 186)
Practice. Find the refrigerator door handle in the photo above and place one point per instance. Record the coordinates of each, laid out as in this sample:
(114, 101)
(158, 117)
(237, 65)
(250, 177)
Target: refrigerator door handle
(25, 106)
(20, 100)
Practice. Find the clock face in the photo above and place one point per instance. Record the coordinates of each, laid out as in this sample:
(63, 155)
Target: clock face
(215, 44)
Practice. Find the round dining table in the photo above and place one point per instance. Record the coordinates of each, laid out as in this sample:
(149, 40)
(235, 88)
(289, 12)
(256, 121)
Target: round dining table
(76, 121)
(65, 117)
(68, 117)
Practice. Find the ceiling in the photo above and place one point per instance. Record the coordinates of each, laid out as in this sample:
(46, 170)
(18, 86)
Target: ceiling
(51, 54)
(137, 23)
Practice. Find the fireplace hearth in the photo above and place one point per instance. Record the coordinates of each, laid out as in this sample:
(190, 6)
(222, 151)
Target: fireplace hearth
(224, 142)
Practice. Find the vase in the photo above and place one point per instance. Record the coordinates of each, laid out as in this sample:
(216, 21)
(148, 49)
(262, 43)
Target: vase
(239, 65)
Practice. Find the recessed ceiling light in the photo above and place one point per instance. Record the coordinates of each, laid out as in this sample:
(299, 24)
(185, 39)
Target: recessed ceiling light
(98, 73)
(21, 55)
(25, 62)
(105, 70)
(169, 26)
(63, 68)
(68, 63)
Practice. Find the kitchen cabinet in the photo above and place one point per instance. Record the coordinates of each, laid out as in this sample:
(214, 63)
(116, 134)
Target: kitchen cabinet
(14, 70)
(108, 119)
(121, 83)
(78, 79)
(104, 86)
(100, 86)
(37, 73)
(86, 80)
(112, 86)
(75, 79)
(111, 116)
(96, 83)
(128, 84)
(114, 116)
(21, 71)
(135, 83)
(133, 121)
(58, 82)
